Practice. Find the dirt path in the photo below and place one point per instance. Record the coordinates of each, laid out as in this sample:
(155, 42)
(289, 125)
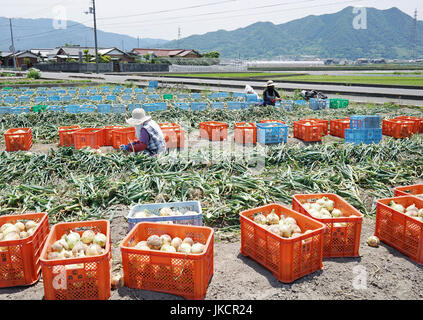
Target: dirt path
(390, 274)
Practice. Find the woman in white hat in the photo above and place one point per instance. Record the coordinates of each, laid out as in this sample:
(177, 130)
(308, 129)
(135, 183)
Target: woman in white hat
(270, 95)
(149, 136)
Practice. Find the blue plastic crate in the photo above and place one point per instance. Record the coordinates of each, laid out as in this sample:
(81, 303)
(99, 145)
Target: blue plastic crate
(111, 98)
(9, 99)
(104, 108)
(151, 89)
(72, 108)
(126, 97)
(364, 122)
(83, 91)
(65, 98)
(153, 84)
(236, 105)
(87, 108)
(61, 91)
(252, 98)
(133, 106)
(51, 92)
(318, 104)
(105, 90)
(154, 208)
(54, 108)
(151, 107)
(127, 90)
(287, 105)
(4, 110)
(39, 99)
(196, 96)
(269, 133)
(19, 110)
(24, 99)
(366, 135)
(54, 99)
(239, 95)
(300, 102)
(84, 97)
(93, 92)
(96, 98)
(117, 90)
(139, 90)
(29, 92)
(72, 92)
(182, 105)
(217, 105)
(198, 106)
(118, 108)
(153, 97)
(141, 97)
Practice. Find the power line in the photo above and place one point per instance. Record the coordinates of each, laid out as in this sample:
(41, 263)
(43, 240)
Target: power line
(166, 11)
(242, 15)
(220, 12)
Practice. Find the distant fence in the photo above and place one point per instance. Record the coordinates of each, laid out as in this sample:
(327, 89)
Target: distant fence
(216, 68)
(102, 67)
(141, 67)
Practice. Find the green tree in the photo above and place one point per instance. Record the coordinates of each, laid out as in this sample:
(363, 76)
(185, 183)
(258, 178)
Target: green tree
(103, 58)
(211, 54)
(87, 56)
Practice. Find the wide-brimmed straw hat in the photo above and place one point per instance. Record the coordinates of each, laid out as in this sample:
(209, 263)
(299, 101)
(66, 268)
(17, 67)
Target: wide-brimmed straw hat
(270, 83)
(138, 117)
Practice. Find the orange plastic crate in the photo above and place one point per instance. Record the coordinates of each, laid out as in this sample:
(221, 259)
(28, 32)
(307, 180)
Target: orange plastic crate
(174, 135)
(66, 135)
(18, 141)
(398, 230)
(413, 190)
(108, 138)
(20, 259)
(288, 259)
(308, 133)
(323, 123)
(397, 128)
(245, 133)
(176, 273)
(213, 130)
(339, 241)
(89, 137)
(338, 126)
(418, 123)
(86, 278)
(123, 136)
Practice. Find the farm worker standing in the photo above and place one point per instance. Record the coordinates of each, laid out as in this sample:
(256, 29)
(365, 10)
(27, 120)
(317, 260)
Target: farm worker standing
(249, 90)
(149, 136)
(270, 95)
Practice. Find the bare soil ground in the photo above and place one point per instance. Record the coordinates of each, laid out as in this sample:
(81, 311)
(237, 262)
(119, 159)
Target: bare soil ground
(389, 275)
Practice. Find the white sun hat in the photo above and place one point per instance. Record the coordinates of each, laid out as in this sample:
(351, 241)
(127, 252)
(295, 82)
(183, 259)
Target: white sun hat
(270, 83)
(138, 117)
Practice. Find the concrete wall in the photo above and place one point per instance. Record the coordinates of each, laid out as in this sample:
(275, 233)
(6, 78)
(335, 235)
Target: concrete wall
(140, 67)
(74, 67)
(102, 67)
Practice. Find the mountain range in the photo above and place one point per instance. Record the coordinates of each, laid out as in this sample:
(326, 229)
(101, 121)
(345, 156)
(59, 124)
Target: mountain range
(388, 34)
(40, 33)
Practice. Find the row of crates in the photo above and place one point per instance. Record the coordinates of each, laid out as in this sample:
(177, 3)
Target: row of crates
(335, 103)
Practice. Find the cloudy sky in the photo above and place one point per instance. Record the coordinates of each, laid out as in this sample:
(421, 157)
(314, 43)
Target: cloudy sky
(162, 19)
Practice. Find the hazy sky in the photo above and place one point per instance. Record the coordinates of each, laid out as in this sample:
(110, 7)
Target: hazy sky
(161, 19)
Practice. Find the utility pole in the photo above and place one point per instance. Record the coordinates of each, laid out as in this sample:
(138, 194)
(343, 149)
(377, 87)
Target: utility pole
(12, 47)
(92, 10)
(413, 54)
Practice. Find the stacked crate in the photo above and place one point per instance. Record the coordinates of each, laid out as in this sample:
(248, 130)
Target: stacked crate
(363, 129)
